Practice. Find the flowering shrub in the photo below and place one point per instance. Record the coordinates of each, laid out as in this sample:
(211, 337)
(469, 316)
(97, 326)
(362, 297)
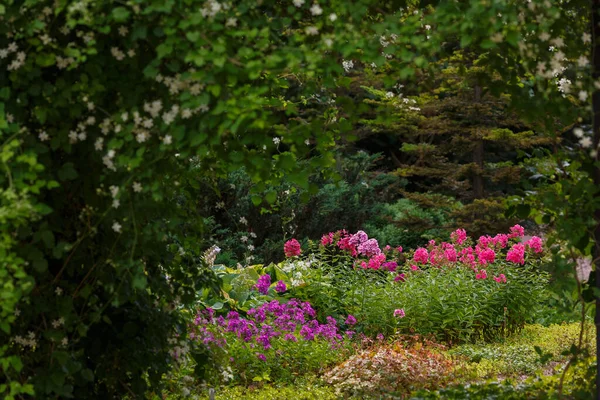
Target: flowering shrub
(458, 290)
(276, 340)
(392, 369)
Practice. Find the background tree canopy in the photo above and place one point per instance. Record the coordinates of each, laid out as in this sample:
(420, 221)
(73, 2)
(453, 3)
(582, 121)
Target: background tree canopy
(122, 124)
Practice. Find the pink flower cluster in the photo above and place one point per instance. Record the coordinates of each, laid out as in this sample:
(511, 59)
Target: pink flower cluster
(292, 248)
(485, 252)
(359, 245)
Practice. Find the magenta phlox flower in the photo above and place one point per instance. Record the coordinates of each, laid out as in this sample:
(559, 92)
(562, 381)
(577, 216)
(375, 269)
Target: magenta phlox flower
(307, 332)
(261, 356)
(263, 284)
(290, 337)
(516, 231)
(482, 274)
(401, 278)
(292, 248)
(351, 320)
(458, 236)
(501, 240)
(344, 244)
(399, 312)
(376, 261)
(500, 278)
(390, 266)
(516, 254)
(280, 287)
(486, 256)
(535, 244)
(421, 256)
(450, 254)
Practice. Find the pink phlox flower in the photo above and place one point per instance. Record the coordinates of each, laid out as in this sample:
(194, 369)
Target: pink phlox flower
(414, 267)
(387, 248)
(359, 238)
(421, 256)
(486, 256)
(516, 254)
(535, 244)
(351, 320)
(399, 312)
(500, 278)
(261, 356)
(459, 236)
(344, 244)
(390, 266)
(482, 274)
(376, 261)
(483, 242)
(501, 239)
(399, 249)
(516, 231)
(327, 239)
(292, 248)
(401, 278)
(450, 254)
(432, 243)
(369, 248)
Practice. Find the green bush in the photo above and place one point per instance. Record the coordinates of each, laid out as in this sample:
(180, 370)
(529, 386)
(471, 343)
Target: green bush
(404, 223)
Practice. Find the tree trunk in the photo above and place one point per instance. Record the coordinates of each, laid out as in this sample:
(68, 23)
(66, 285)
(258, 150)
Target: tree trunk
(478, 157)
(596, 130)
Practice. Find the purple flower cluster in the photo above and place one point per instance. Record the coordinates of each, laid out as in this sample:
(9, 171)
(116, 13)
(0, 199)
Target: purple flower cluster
(263, 284)
(289, 321)
(369, 248)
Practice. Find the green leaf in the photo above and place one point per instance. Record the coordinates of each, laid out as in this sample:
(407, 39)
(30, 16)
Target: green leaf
(120, 14)
(67, 172)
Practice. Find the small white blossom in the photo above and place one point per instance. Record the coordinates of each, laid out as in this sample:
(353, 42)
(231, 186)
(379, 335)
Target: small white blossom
(312, 30)
(116, 227)
(583, 61)
(116, 203)
(347, 65)
(250, 247)
(123, 30)
(167, 139)
(243, 221)
(220, 205)
(583, 95)
(253, 235)
(544, 36)
(58, 291)
(298, 3)
(57, 323)
(586, 37)
(332, 17)
(64, 342)
(231, 22)
(585, 142)
(316, 9)
(114, 190)
(43, 136)
(137, 187)
(276, 140)
(578, 132)
(244, 239)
